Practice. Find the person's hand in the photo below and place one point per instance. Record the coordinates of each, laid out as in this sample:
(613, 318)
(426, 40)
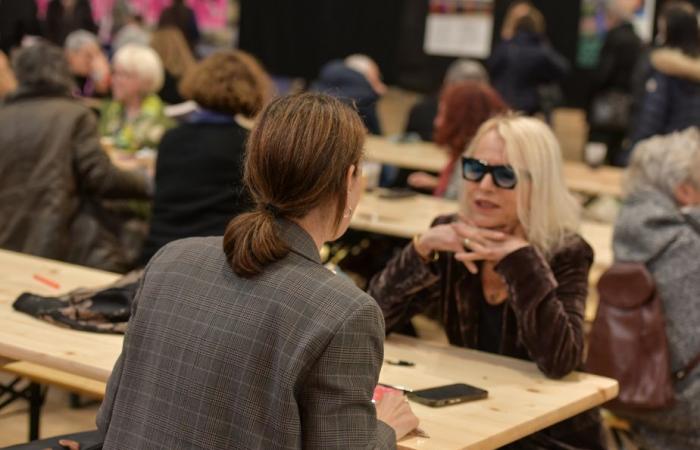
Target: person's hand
(68, 444)
(394, 410)
(422, 180)
(100, 72)
(485, 245)
(440, 238)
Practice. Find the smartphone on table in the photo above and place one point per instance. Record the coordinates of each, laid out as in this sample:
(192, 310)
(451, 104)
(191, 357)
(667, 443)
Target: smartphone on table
(450, 394)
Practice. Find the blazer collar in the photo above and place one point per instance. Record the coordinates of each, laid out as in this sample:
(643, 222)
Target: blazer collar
(299, 241)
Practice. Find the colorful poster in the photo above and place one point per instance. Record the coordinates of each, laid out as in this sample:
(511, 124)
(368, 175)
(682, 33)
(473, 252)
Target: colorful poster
(594, 25)
(461, 28)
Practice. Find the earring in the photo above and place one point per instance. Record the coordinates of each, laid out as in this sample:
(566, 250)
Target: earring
(348, 213)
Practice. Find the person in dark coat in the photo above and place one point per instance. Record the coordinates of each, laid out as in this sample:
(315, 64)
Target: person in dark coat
(355, 80)
(671, 90)
(199, 171)
(423, 113)
(55, 173)
(65, 16)
(509, 274)
(521, 65)
(613, 76)
(181, 16)
(18, 18)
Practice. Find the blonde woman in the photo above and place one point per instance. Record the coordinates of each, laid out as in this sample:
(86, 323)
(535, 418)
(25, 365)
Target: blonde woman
(509, 272)
(135, 118)
(177, 60)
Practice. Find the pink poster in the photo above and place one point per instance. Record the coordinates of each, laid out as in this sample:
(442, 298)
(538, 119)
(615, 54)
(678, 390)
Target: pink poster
(211, 14)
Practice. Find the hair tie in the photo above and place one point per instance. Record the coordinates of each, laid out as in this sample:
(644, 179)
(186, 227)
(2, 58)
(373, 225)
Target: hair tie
(272, 209)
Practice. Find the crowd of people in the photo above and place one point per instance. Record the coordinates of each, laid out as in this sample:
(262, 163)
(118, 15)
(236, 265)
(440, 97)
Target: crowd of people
(249, 185)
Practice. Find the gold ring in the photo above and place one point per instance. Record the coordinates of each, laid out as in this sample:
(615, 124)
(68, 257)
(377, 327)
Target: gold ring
(466, 242)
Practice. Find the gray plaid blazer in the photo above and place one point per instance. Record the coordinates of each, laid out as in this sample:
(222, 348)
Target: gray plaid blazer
(286, 360)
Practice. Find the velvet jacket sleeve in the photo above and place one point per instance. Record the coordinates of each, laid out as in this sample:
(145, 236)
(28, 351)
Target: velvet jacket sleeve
(549, 301)
(405, 287)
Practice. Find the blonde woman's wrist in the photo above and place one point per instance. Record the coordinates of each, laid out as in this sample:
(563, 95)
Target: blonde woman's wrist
(427, 255)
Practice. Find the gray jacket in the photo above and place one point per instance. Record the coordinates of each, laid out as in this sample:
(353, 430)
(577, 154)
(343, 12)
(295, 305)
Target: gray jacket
(285, 360)
(53, 177)
(649, 224)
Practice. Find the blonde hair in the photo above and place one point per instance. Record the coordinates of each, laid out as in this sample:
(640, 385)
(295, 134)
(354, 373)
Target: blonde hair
(144, 62)
(171, 46)
(547, 211)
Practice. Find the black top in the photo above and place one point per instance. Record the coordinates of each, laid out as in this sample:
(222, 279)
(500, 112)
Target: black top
(199, 183)
(490, 326)
(422, 116)
(618, 57)
(169, 92)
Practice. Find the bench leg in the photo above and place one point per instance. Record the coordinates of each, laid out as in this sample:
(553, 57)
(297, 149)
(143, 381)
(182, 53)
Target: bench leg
(36, 400)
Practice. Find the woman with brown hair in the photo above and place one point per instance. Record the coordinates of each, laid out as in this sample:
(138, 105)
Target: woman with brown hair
(199, 171)
(249, 341)
(177, 59)
(463, 107)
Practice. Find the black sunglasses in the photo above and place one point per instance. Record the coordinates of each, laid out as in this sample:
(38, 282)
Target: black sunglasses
(474, 170)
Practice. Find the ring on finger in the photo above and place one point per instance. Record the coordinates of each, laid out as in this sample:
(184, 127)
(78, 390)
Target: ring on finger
(466, 242)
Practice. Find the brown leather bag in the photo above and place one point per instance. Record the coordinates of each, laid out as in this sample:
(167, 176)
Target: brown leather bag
(628, 339)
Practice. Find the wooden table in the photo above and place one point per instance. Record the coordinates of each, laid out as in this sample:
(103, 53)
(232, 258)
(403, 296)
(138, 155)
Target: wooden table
(406, 217)
(25, 338)
(427, 156)
(521, 400)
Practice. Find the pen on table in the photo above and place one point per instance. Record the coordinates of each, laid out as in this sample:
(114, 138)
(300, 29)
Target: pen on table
(400, 362)
(47, 281)
(397, 387)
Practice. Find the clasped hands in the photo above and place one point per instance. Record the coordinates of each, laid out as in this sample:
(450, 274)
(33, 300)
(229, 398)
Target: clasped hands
(470, 243)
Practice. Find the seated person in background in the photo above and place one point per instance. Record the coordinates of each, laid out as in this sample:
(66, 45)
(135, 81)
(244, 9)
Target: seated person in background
(8, 83)
(670, 98)
(88, 64)
(134, 119)
(181, 16)
(355, 80)
(53, 171)
(65, 16)
(423, 113)
(663, 182)
(287, 353)
(199, 171)
(132, 31)
(463, 108)
(509, 273)
(177, 59)
(518, 66)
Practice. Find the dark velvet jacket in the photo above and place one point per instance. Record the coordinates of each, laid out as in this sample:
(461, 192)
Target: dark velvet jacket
(542, 321)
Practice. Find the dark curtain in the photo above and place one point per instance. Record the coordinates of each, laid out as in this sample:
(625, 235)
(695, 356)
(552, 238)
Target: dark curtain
(296, 37)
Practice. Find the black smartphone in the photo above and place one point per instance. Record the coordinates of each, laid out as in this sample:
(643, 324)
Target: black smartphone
(448, 395)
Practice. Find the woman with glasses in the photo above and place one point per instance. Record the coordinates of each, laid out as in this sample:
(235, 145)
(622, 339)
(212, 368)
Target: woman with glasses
(135, 117)
(509, 273)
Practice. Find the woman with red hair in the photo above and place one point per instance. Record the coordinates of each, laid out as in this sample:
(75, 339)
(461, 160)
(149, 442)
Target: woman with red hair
(463, 108)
